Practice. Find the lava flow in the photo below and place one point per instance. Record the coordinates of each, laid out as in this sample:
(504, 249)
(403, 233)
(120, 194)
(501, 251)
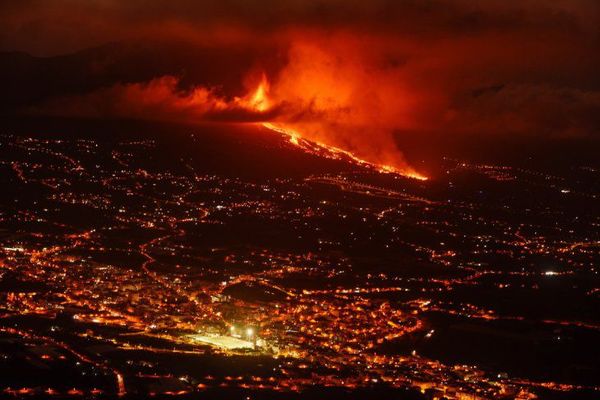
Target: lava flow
(335, 153)
(260, 101)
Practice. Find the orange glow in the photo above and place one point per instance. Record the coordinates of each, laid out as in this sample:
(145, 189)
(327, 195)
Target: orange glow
(297, 139)
(336, 107)
(259, 100)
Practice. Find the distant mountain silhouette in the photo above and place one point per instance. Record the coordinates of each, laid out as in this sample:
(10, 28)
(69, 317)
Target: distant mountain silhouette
(27, 80)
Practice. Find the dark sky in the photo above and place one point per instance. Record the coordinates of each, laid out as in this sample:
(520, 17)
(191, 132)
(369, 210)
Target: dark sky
(59, 26)
(353, 72)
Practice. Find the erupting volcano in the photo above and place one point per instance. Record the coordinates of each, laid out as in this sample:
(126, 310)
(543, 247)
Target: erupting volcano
(260, 101)
(300, 199)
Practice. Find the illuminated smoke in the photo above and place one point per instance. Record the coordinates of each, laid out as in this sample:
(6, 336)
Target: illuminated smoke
(315, 129)
(159, 99)
(326, 118)
(342, 100)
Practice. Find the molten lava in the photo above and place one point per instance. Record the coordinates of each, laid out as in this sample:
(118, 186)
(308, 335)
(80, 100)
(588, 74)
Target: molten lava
(260, 101)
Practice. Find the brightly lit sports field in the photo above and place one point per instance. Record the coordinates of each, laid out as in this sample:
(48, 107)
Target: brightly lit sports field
(227, 342)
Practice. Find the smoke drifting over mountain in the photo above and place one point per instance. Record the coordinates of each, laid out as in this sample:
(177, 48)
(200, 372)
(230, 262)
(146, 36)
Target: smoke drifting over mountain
(352, 74)
(160, 99)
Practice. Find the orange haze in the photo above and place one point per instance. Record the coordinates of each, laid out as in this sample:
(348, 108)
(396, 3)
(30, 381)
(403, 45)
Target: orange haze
(308, 118)
(357, 76)
(337, 102)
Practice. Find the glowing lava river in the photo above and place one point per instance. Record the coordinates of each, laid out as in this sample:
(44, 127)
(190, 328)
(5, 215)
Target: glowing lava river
(324, 150)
